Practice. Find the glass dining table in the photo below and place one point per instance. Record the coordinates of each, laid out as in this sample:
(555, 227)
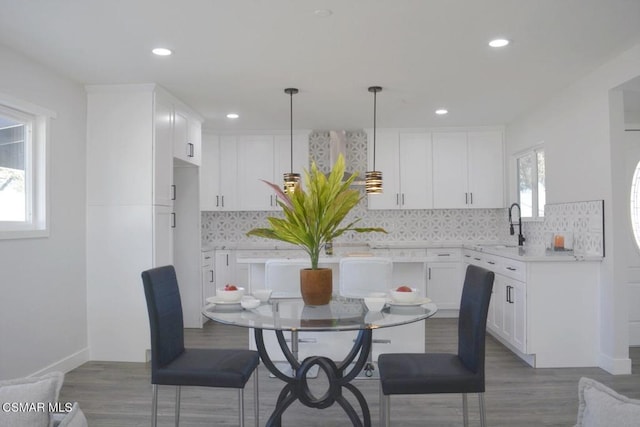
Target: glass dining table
(341, 314)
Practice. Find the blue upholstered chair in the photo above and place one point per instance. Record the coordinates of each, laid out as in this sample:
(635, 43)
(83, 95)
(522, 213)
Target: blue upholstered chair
(431, 373)
(172, 364)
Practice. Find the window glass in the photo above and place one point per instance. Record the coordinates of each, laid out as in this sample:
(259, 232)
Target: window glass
(23, 169)
(635, 204)
(531, 183)
(13, 170)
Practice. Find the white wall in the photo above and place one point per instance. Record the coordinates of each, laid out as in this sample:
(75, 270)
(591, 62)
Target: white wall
(582, 158)
(43, 322)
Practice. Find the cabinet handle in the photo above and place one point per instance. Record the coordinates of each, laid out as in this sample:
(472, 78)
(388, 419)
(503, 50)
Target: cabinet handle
(446, 255)
(478, 259)
(402, 199)
(173, 191)
(173, 220)
(471, 197)
(207, 257)
(466, 198)
(189, 149)
(491, 262)
(275, 203)
(397, 199)
(217, 201)
(511, 269)
(467, 256)
(222, 201)
(211, 280)
(227, 260)
(271, 200)
(429, 277)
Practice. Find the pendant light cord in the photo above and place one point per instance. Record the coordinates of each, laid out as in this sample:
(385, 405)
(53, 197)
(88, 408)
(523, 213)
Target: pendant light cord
(291, 116)
(375, 93)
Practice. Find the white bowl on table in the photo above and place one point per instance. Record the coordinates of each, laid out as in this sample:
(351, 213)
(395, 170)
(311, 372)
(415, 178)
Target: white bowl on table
(249, 302)
(262, 294)
(404, 297)
(230, 295)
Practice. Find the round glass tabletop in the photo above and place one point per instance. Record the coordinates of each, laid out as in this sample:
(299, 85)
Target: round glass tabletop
(341, 314)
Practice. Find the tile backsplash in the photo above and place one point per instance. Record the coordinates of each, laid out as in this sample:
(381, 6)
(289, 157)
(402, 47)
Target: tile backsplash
(437, 226)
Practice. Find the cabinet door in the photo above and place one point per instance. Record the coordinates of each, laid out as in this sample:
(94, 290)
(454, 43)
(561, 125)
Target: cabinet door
(163, 152)
(255, 163)
(210, 173)
(227, 198)
(450, 170)
(208, 282)
(444, 284)
(415, 171)
(163, 222)
(486, 169)
(224, 268)
(387, 161)
(509, 313)
(499, 298)
(194, 141)
(180, 135)
(519, 298)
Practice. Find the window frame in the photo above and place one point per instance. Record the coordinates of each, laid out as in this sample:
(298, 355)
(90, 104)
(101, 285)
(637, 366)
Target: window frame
(36, 169)
(535, 150)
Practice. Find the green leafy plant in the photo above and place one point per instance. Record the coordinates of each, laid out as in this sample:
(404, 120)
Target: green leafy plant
(312, 217)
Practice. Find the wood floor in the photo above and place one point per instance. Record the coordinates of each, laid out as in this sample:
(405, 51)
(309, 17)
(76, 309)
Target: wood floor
(119, 394)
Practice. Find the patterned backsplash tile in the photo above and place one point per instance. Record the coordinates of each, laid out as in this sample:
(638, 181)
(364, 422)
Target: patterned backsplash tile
(436, 226)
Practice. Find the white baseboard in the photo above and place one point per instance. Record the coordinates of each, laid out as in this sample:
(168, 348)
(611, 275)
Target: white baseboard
(615, 366)
(67, 364)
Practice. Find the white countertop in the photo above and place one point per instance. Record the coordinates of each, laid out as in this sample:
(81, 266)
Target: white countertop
(251, 253)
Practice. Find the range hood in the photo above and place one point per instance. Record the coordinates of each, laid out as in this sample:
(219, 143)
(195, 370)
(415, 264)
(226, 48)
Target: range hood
(337, 146)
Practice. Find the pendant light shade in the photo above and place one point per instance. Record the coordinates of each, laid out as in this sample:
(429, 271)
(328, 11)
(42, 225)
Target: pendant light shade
(291, 179)
(373, 178)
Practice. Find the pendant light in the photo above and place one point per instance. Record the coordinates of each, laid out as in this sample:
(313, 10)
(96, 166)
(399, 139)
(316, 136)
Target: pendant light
(291, 179)
(373, 178)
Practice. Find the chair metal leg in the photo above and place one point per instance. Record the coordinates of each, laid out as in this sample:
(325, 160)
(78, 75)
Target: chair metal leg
(381, 406)
(385, 409)
(154, 405)
(465, 410)
(177, 406)
(241, 405)
(256, 401)
(483, 421)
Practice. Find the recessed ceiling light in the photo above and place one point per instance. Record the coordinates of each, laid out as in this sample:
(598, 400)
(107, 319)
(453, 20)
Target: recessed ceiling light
(322, 13)
(441, 112)
(232, 116)
(498, 43)
(162, 51)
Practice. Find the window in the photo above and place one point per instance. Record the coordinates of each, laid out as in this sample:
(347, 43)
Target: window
(531, 183)
(22, 170)
(635, 204)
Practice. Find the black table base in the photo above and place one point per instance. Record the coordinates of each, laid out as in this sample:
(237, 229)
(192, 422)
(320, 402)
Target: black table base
(297, 387)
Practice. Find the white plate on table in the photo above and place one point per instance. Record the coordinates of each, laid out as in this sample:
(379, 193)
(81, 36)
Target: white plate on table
(417, 301)
(220, 301)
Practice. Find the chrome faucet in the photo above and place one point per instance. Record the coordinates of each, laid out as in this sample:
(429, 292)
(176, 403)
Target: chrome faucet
(521, 238)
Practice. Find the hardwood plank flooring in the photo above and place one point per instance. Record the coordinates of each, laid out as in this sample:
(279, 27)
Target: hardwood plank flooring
(119, 394)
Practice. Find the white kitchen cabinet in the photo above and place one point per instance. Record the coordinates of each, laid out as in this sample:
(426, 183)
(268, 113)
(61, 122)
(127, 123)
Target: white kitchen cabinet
(256, 162)
(225, 266)
(163, 151)
(468, 170)
(444, 279)
(404, 160)
(208, 277)
(129, 211)
(543, 310)
(233, 167)
(187, 135)
(218, 185)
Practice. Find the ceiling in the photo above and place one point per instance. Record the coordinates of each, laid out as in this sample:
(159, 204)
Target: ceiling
(239, 55)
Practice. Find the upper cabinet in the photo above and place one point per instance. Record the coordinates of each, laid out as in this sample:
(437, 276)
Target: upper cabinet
(405, 160)
(468, 169)
(187, 135)
(234, 167)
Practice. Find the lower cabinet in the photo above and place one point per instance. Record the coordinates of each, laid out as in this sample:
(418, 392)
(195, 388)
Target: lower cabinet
(208, 276)
(444, 279)
(507, 314)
